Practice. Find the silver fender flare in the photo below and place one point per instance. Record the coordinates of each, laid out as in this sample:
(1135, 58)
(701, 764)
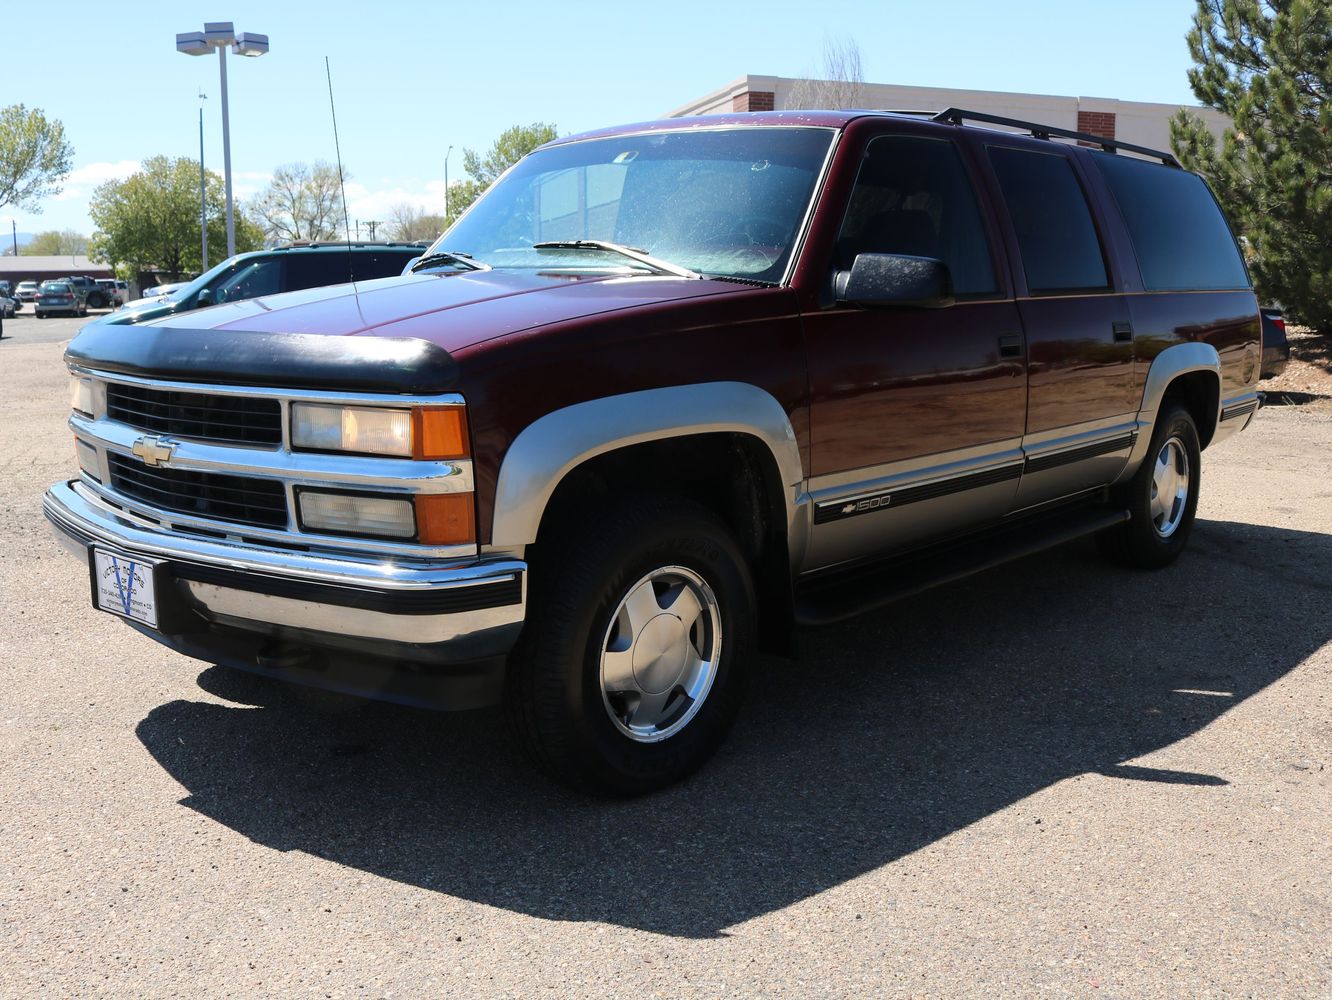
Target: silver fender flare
(546, 450)
(1174, 361)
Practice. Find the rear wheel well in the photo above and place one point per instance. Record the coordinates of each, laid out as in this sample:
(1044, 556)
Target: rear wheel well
(733, 475)
(1200, 394)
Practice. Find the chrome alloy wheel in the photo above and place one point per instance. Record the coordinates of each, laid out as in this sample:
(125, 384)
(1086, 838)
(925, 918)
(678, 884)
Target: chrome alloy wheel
(1170, 487)
(660, 654)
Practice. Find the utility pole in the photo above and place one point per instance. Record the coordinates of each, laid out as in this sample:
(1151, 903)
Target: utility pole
(13, 223)
(370, 224)
(203, 196)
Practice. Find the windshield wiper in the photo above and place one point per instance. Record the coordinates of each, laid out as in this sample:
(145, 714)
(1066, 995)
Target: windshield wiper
(464, 260)
(640, 256)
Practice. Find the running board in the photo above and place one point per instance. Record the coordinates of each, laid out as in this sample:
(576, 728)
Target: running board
(845, 595)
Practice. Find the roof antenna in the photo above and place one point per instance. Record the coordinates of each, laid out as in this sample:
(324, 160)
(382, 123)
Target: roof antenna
(342, 188)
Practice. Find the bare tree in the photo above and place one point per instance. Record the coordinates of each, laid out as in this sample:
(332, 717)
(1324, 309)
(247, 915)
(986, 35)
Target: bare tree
(302, 202)
(409, 223)
(843, 80)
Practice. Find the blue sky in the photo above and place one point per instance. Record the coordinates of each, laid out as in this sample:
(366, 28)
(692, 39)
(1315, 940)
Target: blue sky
(411, 78)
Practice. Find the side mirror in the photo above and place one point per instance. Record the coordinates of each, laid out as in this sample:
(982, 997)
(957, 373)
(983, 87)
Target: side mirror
(204, 298)
(894, 279)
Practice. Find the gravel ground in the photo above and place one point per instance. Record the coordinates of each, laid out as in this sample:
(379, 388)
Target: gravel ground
(1057, 779)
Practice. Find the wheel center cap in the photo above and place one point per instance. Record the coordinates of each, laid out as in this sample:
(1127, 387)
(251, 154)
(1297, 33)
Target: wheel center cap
(660, 653)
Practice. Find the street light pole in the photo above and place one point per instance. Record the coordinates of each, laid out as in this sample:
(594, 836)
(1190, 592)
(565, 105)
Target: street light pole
(222, 35)
(203, 195)
(226, 151)
(446, 185)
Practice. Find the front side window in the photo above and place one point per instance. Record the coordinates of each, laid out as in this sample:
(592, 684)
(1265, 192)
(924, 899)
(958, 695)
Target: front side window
(1055, 233)
(250, 280)
(718, 201)
(913, 197)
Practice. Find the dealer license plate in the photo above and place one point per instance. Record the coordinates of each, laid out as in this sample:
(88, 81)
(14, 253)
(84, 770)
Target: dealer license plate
(124, 586)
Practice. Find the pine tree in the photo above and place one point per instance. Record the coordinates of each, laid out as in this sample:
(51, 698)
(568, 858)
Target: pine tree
(1267, 64)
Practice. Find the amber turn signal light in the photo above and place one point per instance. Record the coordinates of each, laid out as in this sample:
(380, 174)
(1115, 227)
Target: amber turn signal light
(439, 432)
(445, 518)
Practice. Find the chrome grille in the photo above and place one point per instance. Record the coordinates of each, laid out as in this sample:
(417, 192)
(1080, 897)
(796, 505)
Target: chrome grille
(228, 419)
(239, 499)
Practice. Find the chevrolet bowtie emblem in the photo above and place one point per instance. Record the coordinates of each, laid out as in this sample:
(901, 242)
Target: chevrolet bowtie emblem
(153, 450)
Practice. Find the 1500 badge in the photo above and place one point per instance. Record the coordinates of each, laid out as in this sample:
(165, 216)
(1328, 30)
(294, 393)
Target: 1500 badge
(837, 509)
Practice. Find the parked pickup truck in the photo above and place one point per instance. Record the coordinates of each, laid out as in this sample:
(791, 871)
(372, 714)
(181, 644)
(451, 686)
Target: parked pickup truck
(664, 392)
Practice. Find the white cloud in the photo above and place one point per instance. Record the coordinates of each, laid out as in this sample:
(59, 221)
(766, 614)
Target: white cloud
(378, 203)
(81, 181)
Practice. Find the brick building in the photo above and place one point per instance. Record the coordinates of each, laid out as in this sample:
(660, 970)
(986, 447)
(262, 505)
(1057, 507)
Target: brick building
(1138, 122)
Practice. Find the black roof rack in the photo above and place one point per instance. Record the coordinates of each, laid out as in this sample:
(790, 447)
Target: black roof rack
(958, 116)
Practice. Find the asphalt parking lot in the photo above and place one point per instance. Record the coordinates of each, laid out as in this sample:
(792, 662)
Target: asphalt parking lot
(1056, 779)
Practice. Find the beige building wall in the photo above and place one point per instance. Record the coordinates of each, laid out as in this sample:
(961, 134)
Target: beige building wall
(1143, 123)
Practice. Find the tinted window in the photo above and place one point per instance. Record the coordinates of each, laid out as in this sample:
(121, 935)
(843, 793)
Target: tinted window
(1060, 250)
(381, 264)
(913, 197)
(1179, 234)
(250, 280)
(311, 270)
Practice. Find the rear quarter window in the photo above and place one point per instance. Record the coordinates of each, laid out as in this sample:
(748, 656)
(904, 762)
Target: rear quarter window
(1179, 235)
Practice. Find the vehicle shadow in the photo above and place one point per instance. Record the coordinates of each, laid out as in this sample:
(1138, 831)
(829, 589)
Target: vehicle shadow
(886, 734)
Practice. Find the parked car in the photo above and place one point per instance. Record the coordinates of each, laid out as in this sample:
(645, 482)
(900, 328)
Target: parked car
(268, 272)
(8, 307)
(94, 296)
(27, 291)
(857, 354)
(60, 297)
(116, 291)
(1276, 348)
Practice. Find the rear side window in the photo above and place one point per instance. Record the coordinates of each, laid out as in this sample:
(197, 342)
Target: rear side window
(913, 197)
(1179, 235)
(1055, 232)
(312, 270)
(380, 265)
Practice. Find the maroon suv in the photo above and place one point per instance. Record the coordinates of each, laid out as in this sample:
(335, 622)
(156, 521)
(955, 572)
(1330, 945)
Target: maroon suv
(663, 392)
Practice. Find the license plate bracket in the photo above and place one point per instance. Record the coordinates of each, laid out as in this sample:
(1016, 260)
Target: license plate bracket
(124, 585)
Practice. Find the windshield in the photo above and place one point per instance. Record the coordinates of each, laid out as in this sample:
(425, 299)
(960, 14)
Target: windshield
(718, 201)
(57, 287)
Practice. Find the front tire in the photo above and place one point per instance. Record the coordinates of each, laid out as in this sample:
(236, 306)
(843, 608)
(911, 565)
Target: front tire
(633, 661)
(1162, 496)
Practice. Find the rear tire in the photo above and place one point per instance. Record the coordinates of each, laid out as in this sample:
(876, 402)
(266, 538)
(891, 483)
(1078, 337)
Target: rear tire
(634, 657)
(1162, 496)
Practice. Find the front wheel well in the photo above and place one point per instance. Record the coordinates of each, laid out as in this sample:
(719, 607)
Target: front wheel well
(732, 474)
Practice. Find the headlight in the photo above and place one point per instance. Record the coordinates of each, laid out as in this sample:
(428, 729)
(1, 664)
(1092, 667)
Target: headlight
(357, 514)
(365, 429)
(424, 432)
(81, 395)
(432, 519)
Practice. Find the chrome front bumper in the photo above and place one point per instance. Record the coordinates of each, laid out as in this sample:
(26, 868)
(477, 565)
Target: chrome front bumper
(431, 612)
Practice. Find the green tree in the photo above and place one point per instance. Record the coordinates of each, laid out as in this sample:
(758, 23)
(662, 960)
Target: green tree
(302, 202)
(512, 145)
(34, 157)
(56, 243)
(1267, 64)
(150, 220)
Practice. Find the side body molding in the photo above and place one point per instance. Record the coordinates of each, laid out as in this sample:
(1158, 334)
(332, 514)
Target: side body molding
(1174, 361)
(544, 452)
